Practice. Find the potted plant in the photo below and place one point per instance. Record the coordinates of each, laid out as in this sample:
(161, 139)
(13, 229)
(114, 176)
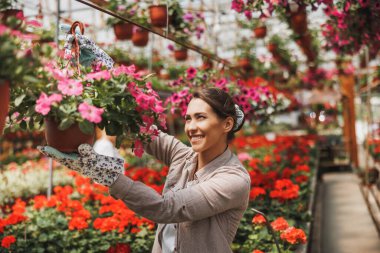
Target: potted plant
(246, 54)
(8, 8)
(140, 36)
(256, 25)
(18, 58)
(79, 98)
(298, 20)
(158, 14)
(123, 30)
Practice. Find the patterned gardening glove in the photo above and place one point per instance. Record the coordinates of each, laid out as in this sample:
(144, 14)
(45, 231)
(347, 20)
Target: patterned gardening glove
(70, 160)
(102, 169)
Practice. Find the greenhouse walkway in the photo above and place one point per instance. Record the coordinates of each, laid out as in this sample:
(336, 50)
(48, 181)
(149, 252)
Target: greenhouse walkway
(345, 222)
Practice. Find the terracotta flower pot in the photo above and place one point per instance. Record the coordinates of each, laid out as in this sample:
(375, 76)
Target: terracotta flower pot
(180, 54)
(10, 13)
(272, 47)
(123, 31)
(298, 20)
(260, 32)
(68, 140)
(140, 37)
(158, 15)
(207, 64)
(4, 103)
(245, 64)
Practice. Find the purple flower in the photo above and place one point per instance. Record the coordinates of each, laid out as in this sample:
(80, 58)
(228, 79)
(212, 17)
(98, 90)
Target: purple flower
(188, 17)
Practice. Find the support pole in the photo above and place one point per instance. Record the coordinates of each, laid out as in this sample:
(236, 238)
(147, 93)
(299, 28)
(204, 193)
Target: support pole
(347, 83)
(50, 183)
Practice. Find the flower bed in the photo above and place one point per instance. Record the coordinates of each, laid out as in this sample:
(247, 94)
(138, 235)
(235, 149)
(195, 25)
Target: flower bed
(75, 217)
(280, 171)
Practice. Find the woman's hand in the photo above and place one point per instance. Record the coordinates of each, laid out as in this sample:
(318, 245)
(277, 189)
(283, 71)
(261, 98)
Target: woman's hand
(102, 169)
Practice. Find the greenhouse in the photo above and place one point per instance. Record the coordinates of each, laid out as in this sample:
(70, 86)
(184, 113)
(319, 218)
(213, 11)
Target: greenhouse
(194, 126)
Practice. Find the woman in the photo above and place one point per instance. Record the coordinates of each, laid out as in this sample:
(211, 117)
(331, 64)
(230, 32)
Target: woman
(206, 191)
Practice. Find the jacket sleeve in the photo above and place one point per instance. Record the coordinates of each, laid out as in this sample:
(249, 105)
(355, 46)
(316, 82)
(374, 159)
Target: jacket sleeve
(222, 192)
(167, 148)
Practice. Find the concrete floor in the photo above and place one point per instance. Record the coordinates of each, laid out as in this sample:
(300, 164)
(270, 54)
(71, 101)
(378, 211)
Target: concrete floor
(346, 225)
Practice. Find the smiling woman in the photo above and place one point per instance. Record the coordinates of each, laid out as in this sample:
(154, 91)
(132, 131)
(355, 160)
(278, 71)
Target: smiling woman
(207, 188)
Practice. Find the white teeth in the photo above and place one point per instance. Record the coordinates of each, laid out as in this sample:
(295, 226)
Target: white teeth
(196, 138)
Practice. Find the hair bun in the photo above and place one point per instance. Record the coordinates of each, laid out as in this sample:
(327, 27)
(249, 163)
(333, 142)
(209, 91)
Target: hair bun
(239, 117)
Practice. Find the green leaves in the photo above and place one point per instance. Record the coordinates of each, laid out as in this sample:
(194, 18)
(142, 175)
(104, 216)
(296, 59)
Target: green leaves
(19, 99)
(86, 127)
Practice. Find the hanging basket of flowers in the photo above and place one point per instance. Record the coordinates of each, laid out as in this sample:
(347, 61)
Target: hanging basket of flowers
(298, 20)
(180, 54)
(123, 30)
(4, 103)
(89, 93)
(260, 32)
(140, 37)
(158, 15)
(18, 57)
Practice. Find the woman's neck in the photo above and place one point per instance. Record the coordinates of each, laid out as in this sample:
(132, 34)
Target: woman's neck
(205, 158)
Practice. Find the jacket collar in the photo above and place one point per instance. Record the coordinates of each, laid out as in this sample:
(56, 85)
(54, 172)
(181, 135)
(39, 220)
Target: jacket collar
(211, 166)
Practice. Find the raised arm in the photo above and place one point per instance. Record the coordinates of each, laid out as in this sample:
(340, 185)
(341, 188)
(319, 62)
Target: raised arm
(226, 190)
(167, 148)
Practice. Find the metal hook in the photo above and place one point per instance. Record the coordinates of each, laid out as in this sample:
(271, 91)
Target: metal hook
(269, 228)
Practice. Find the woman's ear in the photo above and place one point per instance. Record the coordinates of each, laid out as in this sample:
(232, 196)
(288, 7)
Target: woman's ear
(228, 124)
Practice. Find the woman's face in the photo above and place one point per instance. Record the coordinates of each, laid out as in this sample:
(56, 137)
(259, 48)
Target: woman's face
(206, 131)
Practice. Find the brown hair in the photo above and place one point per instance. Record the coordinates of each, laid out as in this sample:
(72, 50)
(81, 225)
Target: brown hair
(222, 104)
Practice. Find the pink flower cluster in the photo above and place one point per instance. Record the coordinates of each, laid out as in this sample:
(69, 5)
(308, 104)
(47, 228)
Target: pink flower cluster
(90, 112)
(252, 99)
(353, 25)
(44, 102)
(68, 87)
(194, 23)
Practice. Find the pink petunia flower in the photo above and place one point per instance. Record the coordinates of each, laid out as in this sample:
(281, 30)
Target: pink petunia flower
(33, 23)
(90, 112)
(104, 74)
(43, 104)
(70, 87)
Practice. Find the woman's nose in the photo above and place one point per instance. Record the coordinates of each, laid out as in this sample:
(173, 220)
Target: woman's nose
(192, 125)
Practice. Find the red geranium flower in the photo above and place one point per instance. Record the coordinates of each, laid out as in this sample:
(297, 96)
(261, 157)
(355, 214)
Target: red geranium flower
(8, 241)
(258, 219)
(293, 235)
(284, 189)
(280, 224)
(255, 192)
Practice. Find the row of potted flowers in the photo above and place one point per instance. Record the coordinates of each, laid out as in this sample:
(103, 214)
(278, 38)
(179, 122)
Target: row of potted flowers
(281, 170)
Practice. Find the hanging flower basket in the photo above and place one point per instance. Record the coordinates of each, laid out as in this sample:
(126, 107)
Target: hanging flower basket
(260, 32)
(158, 15)
(123, 31)
(67, 140)
(180, 54)
(4, 103)
(207, 64)
(298, 20)
(272, 48)
(10, 13)
(140, 37)
(245, 64)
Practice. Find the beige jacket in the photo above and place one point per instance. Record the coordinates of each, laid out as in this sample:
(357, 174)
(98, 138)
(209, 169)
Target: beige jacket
(207, 212)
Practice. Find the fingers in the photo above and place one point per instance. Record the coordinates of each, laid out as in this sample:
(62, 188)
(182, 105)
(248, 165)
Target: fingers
(42, 150)
(56, 154)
